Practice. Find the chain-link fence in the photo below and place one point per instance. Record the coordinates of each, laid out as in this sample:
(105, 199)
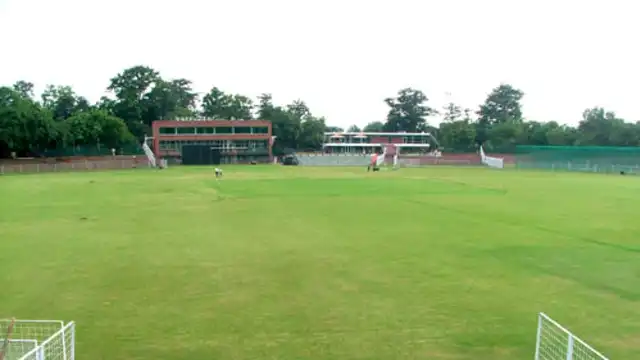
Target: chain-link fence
(600, 159)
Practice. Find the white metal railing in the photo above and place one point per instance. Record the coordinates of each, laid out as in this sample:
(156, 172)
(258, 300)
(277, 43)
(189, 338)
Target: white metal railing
(555, 342)
(59, 346)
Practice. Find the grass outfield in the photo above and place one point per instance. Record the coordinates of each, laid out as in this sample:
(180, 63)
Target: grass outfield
(323, 263)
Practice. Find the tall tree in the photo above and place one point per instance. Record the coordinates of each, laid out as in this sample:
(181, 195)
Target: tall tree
(24, 88)
(457, 135)
(298, 109)
(335, 129)
(560, 134)
(63, 102)
(376, 126)
(218, 105)
(353, 128)
(241, 108)
(533, 133)
(265, 106)
(169, 100)
(287, 123)
(24, 126)
(130, 88)
(467, 114)
(98, 128)
(107, 104)
(502, 105)
(598, 126)
(312, 133)
(504, 136)
(452, 112)
(133, 83)
(408, 111)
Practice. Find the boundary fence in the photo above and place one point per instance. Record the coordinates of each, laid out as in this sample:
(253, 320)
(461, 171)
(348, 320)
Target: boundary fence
(89, 164)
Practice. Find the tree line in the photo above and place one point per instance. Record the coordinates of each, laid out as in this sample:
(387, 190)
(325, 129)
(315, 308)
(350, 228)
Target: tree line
(60, 118)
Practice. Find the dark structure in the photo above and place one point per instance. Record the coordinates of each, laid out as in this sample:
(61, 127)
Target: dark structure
(200, 155)
(213, 141)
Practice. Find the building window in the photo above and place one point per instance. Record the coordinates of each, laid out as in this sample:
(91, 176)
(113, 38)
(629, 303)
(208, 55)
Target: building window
(242, 130)
(257, 144)
(260, 130)
(186, 130)
(167, 130)
(224, 130)
(205, 130)
(168, 145)
(240, 144)
(217, 144)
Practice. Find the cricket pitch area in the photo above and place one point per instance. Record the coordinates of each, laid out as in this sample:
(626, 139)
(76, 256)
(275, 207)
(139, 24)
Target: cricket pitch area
(295, 263)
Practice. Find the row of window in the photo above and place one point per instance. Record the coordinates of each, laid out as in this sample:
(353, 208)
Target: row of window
(176, 145)
(380, 139)
(224, 130)
(369, 150)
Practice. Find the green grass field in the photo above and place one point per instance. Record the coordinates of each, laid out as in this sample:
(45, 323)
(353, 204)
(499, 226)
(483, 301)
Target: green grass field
(321, 263)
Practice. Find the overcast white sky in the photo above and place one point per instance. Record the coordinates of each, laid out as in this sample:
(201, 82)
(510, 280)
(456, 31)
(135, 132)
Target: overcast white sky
(341, 57)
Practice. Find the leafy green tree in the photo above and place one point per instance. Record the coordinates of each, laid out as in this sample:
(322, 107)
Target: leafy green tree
(139, 95)
(334, 129)
(457, 135)
(312, 133)
(376, 126)
(298, 109)
(408, 111)
(241, 108)
(600, 127)
(215, 104)
(265, 106)
(286, 123)
(24, 126)
(452, 112)
(502, 105)
(503, 136)
(294, 125)
(218, 105)
(130, 88)
(467, 115)
(97, 127)
(625, 134)
(353, 128)
(560, 135)
(106, 104)
(169, 100)
(133, 83)
(24, 88)
(63, 102)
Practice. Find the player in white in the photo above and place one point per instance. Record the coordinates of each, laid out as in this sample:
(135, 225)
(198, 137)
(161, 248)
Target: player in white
(218, 172)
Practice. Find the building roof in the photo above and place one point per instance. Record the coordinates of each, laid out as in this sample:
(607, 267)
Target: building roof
(210, 122)
(332, 133)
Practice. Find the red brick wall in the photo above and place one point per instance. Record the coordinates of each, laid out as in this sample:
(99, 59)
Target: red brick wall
(379, 140)
(72, 164)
